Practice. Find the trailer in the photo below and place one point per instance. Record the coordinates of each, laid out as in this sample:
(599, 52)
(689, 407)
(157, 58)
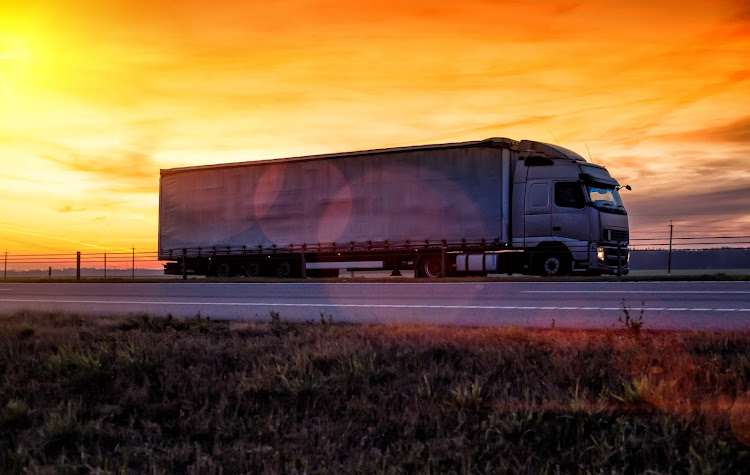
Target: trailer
(468, 208)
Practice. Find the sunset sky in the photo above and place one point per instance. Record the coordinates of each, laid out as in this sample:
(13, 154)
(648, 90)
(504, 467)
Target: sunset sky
(96, 97)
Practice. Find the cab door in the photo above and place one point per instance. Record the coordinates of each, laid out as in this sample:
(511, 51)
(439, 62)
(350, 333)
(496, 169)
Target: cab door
(538, 223)
(569, 215)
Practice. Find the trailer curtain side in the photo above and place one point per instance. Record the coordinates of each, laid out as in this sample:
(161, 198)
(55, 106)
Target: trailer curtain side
(450, 194)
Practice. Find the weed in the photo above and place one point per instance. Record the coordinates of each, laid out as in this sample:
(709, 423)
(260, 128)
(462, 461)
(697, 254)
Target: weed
(425, 389)
(83, 369)
(275, 322)
(64, 431)
(15, 415)
(468, 396)
(632, 325)
(326, 319)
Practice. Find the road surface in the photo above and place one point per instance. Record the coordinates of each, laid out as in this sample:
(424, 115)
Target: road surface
(665, 305)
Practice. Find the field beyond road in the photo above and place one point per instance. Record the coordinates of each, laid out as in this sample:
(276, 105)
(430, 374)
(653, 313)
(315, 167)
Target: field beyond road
(141, 394)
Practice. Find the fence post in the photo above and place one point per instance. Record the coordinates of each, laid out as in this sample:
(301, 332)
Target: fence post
(50, 272)
(133, 268)
(669, 259)
(184, 264)
(78, 265)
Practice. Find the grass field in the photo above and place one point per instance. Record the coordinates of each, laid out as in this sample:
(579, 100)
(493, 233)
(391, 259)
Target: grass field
(145, 395)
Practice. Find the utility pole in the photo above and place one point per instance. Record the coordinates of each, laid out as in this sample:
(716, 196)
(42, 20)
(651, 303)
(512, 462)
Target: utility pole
(78, 265)
(133, 271)
(5, 270)
(184, 264)
(669, 259)
(105, 266)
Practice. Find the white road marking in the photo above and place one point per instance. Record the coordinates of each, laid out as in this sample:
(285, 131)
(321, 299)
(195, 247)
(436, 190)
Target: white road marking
(344, 305)
(635, 291)
(396, 282)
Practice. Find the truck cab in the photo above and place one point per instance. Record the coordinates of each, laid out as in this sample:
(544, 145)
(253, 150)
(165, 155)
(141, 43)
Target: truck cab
(567, 213)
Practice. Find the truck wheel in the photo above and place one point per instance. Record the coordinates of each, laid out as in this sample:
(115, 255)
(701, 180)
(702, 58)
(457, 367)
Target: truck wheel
(283, 269)
(252, 269)
(224, 270)
(430, 267)
(554, 265)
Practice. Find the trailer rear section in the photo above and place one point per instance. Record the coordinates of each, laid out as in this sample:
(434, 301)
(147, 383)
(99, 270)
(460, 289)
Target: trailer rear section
(436, 210)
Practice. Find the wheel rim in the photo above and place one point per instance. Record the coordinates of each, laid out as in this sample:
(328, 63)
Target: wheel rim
(224, 270)
(283, 269)
(432, 268)
(552, 266)
(252, 269)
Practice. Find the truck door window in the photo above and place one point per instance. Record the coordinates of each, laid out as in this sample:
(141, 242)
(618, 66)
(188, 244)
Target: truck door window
(569, 195)
(539, 195)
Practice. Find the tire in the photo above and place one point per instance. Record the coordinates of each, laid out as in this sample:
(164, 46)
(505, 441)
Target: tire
(283, 269)
(252, 269)
(224, 270)
(430, 267)
(553, 265)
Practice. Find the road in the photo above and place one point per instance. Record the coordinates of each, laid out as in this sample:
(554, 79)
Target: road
(665, 305)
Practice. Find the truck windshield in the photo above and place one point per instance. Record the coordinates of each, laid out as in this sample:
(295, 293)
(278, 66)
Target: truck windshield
(604, 197)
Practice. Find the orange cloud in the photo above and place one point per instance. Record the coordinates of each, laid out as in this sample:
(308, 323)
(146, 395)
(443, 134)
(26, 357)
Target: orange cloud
(106, 93)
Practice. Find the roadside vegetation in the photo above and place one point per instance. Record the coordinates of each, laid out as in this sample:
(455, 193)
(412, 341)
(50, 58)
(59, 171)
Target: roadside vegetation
(155, 395)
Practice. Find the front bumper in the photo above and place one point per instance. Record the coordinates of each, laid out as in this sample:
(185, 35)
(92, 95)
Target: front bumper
(609, 259)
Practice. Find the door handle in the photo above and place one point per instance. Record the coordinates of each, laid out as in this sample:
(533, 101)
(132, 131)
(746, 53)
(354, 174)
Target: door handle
(555, 228)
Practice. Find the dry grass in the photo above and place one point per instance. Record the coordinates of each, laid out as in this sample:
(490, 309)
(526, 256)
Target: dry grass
(139, 394)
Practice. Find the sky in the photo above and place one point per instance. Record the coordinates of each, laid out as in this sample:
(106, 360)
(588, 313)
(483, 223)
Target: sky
(96, 97)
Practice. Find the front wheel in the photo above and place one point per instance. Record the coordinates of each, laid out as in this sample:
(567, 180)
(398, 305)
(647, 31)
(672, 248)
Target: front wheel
(554, 265)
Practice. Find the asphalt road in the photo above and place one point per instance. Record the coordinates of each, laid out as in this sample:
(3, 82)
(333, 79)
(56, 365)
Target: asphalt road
(665, 305)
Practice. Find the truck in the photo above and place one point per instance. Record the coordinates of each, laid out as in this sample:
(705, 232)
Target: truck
(454, 209)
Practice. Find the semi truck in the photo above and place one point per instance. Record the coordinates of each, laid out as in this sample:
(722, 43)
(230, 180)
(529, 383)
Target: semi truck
(455, 209)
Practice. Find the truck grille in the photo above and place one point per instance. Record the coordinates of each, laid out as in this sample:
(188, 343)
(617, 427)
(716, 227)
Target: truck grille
(615, 235)
(611, 255)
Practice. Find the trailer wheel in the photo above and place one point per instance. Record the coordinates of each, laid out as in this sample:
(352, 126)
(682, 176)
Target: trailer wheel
(430, 267)
(224, 270)
(283, 269)
(252, 269)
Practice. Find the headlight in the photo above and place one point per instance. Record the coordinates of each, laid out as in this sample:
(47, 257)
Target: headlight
(600, 253)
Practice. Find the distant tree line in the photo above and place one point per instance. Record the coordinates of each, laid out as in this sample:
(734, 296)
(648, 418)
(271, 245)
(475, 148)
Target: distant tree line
(683, 259)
